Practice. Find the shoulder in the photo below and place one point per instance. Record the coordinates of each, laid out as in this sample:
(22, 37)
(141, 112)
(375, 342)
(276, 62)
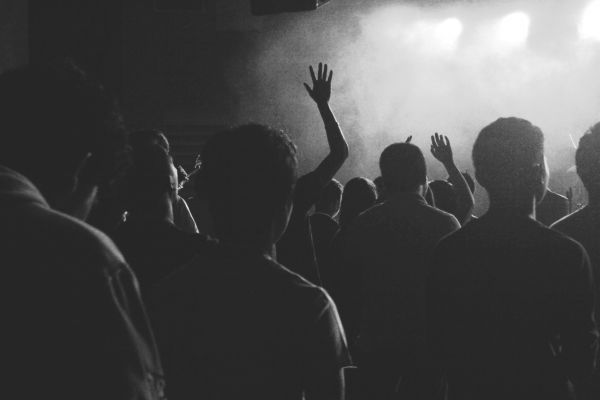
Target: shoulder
(572, 222)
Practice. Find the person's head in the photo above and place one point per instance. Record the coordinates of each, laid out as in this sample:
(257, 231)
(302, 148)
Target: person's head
(60, 130)
(248, 176)
(587, 160)
(380, 185)
(444, 195)
(403, 169)
(509, 160)
(359, 195)
(329, 202)
(152, 183)
(148, 137)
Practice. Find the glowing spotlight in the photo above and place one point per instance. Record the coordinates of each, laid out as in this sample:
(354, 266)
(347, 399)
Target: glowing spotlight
(448, 32)
(513, 29)
(589, 28)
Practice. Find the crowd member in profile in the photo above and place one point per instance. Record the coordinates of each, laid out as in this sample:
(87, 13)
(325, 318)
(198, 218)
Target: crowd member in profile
(323, 223)
(552, 208)
(456, 198)
(235, 323)
(584, 225)
(73, 323)
(151, 243)
(182, 216)
(296, 250)
(384, 256)
(510, 302)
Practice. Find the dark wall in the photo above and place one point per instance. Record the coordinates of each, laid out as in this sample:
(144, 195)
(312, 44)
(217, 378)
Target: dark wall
(13, 33)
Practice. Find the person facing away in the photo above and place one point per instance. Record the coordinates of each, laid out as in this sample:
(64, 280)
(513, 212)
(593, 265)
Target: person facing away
(73, 323)
(323, 223)
(234, 323)
(510, 302)
(384, 257)
(182, 216)
(151, 243)
(296, 248)
(552, 208)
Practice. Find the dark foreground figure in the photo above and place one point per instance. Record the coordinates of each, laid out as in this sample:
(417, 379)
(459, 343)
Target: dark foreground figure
(510, 302)
(235, 324)
(74, 326)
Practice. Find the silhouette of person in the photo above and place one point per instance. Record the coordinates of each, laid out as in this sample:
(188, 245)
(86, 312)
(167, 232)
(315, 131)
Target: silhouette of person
(510, 302)
(151, 243)
(296, 249)
(552, 208)
(234, 323)
(74, 325)
(182, 216)
(323, 223)
(384, 258)
(360, 194)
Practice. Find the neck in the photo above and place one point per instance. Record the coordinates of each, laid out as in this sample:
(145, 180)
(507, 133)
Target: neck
(516, 206)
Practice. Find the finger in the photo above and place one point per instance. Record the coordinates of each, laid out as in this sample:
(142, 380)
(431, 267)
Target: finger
(447, 141)
(433, 142)
(408, 139)
(330, 76)
(308, 89)
(312, 74)
(325, 72)
(320, 74)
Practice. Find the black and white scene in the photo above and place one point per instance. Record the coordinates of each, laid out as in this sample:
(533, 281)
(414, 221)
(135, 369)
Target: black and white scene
(300, 199)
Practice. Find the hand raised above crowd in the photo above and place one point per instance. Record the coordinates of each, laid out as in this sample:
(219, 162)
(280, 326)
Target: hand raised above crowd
(321, 90)
(441, 149)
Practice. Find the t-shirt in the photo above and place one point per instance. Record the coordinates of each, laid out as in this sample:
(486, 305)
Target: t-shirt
(238, 325)
(383, 256)
(510, 310)
(295, 249)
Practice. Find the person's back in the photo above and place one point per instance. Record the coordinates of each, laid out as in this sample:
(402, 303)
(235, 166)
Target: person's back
(234, 323)
(74, 325)
(384, 258)
(510, 302)
(323, 223)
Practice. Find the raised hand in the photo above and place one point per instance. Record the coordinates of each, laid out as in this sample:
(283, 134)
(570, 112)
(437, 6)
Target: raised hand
(441, 149)
(321, 90)
(408, 139)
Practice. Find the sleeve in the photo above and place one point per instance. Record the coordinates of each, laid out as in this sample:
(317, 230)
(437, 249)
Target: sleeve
(579, 334)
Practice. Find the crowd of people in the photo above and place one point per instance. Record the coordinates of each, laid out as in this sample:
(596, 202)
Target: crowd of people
(305, 288)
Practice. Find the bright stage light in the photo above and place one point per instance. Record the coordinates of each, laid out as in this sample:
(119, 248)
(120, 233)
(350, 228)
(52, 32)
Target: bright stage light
(589, 28)
(448, 32)
(513, 29)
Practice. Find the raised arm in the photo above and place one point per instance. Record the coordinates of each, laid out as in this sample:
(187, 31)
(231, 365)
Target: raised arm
(338, 147)
(442, 151)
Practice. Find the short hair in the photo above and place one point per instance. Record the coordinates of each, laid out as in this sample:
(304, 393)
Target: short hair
(360, 194)
(146, 137)
(152, 174)
(330, 196)
(249, 171)
(504, 149)
(402, 167)
(587, 158)
(51, 117)
(444, 195)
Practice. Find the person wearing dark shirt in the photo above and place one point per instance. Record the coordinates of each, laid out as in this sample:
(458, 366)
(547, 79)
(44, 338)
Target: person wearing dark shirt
(552, 208)
(73, 323)
(296, 249)
(234, 323)
(584, 225)
(383, 258)
(323, 223)
(360, 194)
(149, 239)
(510, 302)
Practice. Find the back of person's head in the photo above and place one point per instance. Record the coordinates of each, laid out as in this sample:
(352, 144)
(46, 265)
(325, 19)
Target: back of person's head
(147, 137)
(152, 178)
(52, 118)
(509, 159)
(403, 168)
(329, 202)
(587, 159)
(444, 195)
(360, 194)
(248, 176)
